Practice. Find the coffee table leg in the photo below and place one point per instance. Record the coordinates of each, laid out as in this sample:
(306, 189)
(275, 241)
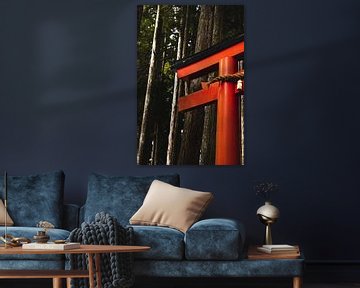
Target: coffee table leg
(98, 270)
(91, 270)
(57, 283)
(297, 282)
(68, 282)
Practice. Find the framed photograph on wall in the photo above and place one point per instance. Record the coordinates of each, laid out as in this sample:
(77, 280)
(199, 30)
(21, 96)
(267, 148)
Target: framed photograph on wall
(190, 85)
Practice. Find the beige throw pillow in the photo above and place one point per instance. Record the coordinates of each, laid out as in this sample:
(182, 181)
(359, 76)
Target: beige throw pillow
(170, 206)
(9, 221)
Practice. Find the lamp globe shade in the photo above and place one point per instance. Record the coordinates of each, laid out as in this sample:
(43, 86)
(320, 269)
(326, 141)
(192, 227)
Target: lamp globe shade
(268, 212)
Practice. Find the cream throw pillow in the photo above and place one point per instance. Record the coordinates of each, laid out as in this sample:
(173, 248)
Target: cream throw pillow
(170, 206)
(9, 221)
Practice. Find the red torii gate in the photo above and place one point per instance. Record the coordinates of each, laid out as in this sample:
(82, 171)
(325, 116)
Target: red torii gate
(224, 57)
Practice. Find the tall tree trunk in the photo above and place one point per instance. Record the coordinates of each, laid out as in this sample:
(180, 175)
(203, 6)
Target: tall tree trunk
(183, 86)
(154, 145)
(193, 120)
(185, 33)
(208, 145)
(141, 158)
(159, 104)
(173, 120)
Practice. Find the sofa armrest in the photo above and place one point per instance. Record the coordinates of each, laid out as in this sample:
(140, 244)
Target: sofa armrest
(215, 239)
(71, 216)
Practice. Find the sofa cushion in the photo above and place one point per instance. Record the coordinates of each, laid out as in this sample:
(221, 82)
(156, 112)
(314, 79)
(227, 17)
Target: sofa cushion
(29, 232)
(9, 221)
(119, 196)
(214, 239)
(170, 206)
(165, 243)
(35, 198)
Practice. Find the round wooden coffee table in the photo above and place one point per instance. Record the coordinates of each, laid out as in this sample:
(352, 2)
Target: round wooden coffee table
(94, 267)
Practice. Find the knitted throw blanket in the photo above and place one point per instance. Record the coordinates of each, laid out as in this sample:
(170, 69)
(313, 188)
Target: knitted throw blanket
(116, 268)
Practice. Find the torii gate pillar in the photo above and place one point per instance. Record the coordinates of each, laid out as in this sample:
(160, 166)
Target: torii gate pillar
(227, 128)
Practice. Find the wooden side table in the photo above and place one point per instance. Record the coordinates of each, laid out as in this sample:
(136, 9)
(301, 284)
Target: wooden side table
(93, 251)
(255, 255)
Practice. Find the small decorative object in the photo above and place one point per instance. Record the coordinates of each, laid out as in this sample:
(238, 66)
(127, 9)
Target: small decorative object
(268, 213)
(41, 236)
(11, 241)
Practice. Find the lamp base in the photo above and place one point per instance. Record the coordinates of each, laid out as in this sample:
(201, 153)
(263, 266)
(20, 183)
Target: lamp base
(268, 237)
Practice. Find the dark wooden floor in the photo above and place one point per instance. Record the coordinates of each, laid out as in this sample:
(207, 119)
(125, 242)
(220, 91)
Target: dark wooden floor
(242, 284)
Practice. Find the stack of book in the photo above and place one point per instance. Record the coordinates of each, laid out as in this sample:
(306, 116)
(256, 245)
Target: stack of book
(279, 249)
(282, 251)
(51, 246)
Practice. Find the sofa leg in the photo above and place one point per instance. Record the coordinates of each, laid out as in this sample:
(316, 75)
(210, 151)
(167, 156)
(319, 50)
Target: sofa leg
(57, 283)
(297, 282)
(68, 282)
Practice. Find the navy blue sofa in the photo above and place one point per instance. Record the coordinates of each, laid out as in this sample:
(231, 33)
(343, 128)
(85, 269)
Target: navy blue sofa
(210, 248)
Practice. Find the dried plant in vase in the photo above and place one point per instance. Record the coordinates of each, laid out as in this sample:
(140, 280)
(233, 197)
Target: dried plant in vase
(41, 236)
(265, 189)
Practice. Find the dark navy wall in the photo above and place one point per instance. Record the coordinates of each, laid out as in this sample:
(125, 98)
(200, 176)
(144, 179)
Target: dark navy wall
(68, 101)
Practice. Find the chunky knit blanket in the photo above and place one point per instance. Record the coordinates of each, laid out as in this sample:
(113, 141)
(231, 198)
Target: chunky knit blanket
(116, 268)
